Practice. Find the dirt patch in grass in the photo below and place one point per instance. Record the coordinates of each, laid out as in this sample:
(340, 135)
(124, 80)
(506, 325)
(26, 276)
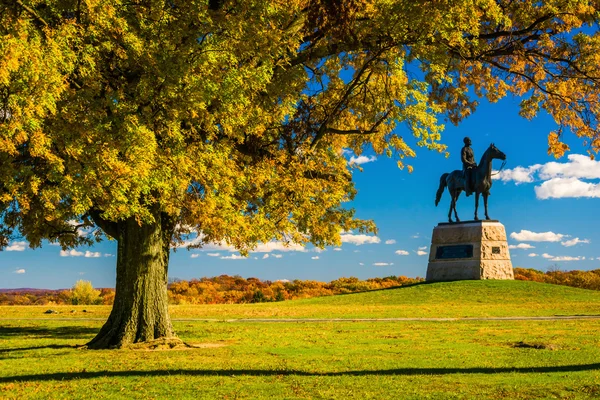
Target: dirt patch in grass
(207, 345)
(172, 344)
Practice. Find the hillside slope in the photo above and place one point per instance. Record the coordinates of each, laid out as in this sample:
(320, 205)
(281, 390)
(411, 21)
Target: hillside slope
(434, 300)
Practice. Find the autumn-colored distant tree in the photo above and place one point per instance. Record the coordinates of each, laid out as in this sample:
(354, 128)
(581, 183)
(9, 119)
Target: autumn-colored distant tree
(83, 293)
(152, 119)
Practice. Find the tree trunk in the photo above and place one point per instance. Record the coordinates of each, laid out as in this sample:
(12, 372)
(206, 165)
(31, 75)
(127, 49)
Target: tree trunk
(140, 310)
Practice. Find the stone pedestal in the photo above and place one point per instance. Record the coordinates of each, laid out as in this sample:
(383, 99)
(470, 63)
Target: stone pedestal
(469, 250)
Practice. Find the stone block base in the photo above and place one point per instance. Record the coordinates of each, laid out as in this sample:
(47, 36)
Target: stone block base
(469, 250)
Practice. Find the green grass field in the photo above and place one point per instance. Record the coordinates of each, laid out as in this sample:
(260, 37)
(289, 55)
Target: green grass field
(343, 359)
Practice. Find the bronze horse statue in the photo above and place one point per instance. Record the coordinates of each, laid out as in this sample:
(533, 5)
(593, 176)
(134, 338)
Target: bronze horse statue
(455, 182)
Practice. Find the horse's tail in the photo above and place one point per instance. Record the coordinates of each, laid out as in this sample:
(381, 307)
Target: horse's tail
(440, 190)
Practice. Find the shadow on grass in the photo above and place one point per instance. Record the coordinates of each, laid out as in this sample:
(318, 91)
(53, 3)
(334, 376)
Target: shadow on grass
(61, 332)
(62, 376)
(50, 346)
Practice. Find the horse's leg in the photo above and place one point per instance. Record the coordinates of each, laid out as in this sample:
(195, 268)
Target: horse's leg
(476, 205)
(485, 197)
(455, 200)
(451, 205)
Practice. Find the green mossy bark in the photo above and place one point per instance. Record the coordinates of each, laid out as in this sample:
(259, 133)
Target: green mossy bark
(140, 310)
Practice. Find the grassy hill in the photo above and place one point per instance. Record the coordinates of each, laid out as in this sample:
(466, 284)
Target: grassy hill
(474, 359)
(433, 300)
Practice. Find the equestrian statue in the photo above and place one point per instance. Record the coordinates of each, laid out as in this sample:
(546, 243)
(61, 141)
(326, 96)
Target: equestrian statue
(472, 179)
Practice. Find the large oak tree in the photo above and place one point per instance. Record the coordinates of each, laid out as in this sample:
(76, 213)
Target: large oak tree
(153, 119)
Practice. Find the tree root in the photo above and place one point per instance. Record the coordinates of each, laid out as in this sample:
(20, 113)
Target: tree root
(172, 343)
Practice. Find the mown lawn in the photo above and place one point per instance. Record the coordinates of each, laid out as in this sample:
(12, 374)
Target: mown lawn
(411, 359)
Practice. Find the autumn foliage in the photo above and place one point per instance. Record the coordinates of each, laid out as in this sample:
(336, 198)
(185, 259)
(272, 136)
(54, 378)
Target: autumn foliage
(575, 278)
(226, 289)
(82, 293)
(223, 289)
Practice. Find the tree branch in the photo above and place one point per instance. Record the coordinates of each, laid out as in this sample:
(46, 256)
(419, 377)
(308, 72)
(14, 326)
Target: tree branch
(353, 84)
(530, 28)
(359, 131)
(109, 227)
(32, 12)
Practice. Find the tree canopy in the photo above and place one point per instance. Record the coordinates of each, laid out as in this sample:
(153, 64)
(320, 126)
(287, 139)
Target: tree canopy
(232, 118)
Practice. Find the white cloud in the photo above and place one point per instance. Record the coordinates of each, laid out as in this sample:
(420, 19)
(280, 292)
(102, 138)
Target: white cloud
(195, 255)
(314, 258)
(521, 246)
(319, 250)
(5, 114)
(213, 254)
(278, 246)
(567, 258)
(71, 253)
(560, 180)
(196, 241)
(390, 241)
(337, 249)
(265, 256)
(578, 166)
(223, 246)
(282, 280)
(233, 257)
(382, 264)
(87, 254)
(529, 236)
(402, 252)
(558, 188)
(421, 253)
(19, 271)
(361, 264)
(573, 242)
(423, 248)
(547, 256)
(276, 255)
(362, 160)
(518, 175)
(108, 255)
(416, 236)
(532, 255)
(359, 239)
(16, 246)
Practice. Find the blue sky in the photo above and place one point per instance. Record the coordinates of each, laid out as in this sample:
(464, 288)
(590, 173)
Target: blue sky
(549, 208)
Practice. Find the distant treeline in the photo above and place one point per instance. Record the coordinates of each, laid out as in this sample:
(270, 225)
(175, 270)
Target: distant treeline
(578, 279)
(226, 289)
(31, 297)
(222, 289)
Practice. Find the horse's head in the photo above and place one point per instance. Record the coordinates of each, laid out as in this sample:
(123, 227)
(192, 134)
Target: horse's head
(494, 152)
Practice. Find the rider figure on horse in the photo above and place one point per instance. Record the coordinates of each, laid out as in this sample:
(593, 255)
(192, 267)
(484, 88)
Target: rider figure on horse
(469, 165)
